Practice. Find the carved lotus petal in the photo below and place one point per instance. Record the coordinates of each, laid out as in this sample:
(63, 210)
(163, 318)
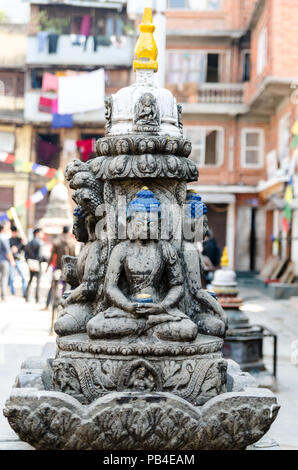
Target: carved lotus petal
(118, 164)
(146, 163)
(161, 421)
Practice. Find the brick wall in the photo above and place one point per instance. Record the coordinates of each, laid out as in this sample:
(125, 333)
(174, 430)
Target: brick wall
(280, 19)
(233, 15)
(235, 173)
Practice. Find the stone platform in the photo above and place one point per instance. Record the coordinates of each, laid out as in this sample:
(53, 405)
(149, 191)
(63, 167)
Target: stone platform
(142, 420)
(88, 369)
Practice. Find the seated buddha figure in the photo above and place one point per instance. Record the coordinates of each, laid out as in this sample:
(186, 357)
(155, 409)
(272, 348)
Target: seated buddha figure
(200, 305)
(144, 282)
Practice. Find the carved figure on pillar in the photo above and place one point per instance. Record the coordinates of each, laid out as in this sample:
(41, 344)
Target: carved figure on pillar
(151, 270)
(200, 305)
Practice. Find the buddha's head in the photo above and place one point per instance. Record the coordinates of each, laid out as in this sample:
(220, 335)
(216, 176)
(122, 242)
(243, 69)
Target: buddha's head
(195, 221)
(143, 216)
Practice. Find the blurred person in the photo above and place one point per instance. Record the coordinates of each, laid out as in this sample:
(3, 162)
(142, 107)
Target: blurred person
(17, 245)
(211, 255)
(6, 258)
(49, 296)
(64, 244)
(34, 259)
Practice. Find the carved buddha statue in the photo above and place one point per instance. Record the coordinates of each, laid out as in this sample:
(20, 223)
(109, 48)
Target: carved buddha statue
(144, 282)
(200, 305)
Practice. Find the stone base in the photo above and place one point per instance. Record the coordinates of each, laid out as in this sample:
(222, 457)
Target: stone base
(246, 348)
(140, 421)
(89, 369)
(236, 319)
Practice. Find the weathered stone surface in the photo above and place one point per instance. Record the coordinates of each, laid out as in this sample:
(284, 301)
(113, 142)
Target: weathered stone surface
(196, 372)
(145, 166)
(238, 380)
(136, 421)
(140, 145)
(148, 346)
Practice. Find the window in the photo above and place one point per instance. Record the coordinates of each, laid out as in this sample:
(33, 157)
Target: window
(12, 83)
(284, 134)
(199, 5)
(7, 140)
(7, 144)
(246, 66)
(6, 199)
(207, 145)
(212, 75)
(48, 150)
(262, 51)
(252, 148)
(193, 67)
(186, 67)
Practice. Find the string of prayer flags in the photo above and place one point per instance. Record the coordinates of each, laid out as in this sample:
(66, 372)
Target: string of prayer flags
(33, 199)
(27, 167)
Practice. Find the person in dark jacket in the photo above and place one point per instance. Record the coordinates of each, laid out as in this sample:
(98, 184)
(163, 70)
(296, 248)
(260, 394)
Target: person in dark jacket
(211, 256)
(34, 258)
(211, 249)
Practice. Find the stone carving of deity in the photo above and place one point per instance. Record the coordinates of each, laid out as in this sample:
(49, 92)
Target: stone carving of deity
(143, 282)
(200, 305)
(147, 117)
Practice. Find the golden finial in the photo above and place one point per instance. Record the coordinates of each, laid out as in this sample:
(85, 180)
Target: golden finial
(192, 191)
(224, 261)
(145, 188)
(146, 49)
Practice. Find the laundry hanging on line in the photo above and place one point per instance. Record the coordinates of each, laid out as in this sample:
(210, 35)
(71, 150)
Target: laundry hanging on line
(85, 25)
(50, 82)
(55, 106)
(53, 43)
(42, 39)
(45, 105)
(77, 39)
(62, 121)
(86, 148)
(81, 93)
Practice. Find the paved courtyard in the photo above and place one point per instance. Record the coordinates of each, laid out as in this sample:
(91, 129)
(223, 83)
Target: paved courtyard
(25, 332)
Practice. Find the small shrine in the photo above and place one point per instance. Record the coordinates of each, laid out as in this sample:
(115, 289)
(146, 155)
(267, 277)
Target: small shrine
(243, 341)
(139, 363)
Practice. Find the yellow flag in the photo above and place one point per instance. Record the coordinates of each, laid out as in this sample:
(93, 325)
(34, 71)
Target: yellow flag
(288, 197)
(27, 166)
(9, 213)
(295, 128)
(51, 184)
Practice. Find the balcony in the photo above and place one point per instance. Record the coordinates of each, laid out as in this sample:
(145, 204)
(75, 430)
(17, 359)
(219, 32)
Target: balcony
(32, 114)
(211, 98)
(69, 55)
(264, 97)
(11, 109)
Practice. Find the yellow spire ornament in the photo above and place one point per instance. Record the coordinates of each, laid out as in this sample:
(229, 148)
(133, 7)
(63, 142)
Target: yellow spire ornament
(146, 49)
(224, 261)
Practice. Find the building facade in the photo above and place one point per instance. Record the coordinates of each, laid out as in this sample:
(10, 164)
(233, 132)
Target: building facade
(15, 134)
(230, 63)
(232, 66)
(56, 39)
